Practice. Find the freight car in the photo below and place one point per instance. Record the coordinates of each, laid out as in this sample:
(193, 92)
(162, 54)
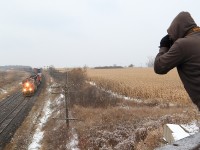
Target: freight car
(38, 72)
(30, 84)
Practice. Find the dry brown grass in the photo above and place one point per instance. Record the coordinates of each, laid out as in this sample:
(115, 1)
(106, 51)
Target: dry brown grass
(152, 140)
(10, 80)
(9, 77)
(141, 83)
(122, 128)
(131, 124)
(55, 135)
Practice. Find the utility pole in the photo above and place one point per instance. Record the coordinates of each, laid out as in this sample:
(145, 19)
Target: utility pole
(66, 90)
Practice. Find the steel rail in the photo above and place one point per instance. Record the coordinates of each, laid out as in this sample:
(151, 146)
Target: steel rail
(15, 107)
(13, 114)
(9, 107)
(9, 99)
(6, 122)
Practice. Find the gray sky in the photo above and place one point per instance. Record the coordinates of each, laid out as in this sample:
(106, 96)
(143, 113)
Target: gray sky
(74, 33)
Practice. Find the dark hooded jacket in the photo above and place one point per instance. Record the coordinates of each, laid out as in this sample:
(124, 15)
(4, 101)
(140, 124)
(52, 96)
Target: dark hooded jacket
(183, 54)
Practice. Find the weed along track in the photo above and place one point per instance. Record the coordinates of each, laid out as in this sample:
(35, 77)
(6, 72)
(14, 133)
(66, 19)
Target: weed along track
(13, 110)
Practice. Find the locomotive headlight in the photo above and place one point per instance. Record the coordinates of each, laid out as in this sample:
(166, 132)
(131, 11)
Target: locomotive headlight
(27, 84)
(30, 89)
(24, 90)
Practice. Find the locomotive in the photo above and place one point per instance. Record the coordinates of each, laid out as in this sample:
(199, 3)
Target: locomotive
(30, 84)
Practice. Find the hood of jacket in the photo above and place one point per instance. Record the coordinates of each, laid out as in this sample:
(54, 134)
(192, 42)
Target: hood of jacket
(181, 24)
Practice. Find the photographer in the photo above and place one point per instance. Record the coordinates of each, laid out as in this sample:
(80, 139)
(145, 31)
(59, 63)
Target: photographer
(181, 48)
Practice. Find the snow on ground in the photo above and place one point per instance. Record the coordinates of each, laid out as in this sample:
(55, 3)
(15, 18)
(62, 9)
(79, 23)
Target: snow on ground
(59, 100)
(73, 144)
(38, 136)
(116, 94)
(3, 91)
(179, 132)
(191, 128)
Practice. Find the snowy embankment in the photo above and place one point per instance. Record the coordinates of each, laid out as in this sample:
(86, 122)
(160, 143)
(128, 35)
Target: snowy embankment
(73, 144)
(115, 94)
(38, 136)
(47, 112)
(73, 140)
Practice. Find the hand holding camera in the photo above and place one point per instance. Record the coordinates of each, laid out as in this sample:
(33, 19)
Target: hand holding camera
(166, 41)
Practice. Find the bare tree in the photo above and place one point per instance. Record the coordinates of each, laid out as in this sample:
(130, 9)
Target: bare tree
(150, 61)
(131, 66)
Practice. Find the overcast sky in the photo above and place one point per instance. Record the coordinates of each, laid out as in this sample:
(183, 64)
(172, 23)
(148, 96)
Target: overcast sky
(75, 33)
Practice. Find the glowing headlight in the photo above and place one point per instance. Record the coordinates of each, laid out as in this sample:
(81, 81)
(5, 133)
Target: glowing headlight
(27, 84)
(30, 89)
(24, 90)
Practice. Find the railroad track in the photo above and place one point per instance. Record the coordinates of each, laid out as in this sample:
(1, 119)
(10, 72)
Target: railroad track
(9, 99)
(8, 117)
(9, 105)
(13, 110)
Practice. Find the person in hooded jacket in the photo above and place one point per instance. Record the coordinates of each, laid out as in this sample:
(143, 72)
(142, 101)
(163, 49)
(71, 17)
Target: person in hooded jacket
(181, 48)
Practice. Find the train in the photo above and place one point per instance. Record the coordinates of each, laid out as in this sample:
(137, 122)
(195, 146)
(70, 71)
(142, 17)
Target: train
(30, 84)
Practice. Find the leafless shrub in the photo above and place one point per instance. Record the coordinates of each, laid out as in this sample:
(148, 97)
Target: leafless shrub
(152, 141)
(56, 75)
(2, 77)
(92, 97)
(140, 134)
(77, 77)
(124, 128)
(150, 61)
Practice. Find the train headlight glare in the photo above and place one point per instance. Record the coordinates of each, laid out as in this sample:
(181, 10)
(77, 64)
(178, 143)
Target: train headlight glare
(30, 89)
(24, 90)
(27, 84)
